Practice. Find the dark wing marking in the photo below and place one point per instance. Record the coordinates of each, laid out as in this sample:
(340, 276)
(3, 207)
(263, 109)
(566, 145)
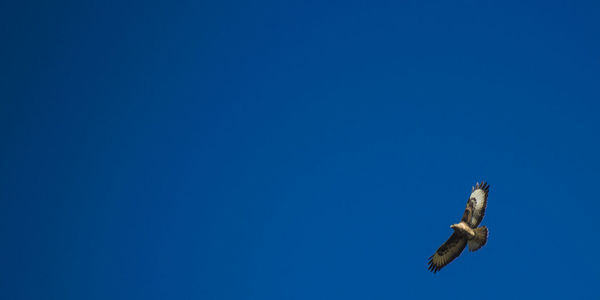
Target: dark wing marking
(450, 250)
(468, 214)
(479, 196)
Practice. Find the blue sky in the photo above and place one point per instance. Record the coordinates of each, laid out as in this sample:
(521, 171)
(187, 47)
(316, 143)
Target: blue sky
(297, 150)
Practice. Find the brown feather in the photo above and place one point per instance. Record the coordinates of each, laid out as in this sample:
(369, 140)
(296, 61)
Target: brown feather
(449, 250)
(468, 214)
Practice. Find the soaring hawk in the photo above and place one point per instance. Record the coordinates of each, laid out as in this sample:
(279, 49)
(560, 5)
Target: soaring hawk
(465, 232)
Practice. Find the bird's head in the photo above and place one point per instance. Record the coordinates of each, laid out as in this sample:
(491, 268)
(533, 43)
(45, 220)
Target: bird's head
(454, 226)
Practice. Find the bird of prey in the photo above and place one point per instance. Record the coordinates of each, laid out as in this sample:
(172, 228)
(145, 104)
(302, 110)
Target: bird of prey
(465, 232)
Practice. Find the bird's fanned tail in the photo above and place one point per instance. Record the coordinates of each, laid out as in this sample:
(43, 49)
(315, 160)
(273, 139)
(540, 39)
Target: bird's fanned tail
(481, 236)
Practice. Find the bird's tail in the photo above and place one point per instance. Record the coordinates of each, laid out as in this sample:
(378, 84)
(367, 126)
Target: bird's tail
(481, 236)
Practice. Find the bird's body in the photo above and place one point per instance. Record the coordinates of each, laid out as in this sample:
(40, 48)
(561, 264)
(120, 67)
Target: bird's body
(466, 232)
(463, 229)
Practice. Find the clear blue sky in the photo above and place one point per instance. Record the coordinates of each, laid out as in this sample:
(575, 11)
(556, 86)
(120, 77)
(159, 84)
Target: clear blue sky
(298, 150)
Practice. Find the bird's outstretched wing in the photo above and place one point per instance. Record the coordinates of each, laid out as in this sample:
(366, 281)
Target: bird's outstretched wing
(450, 250)
(476, 205)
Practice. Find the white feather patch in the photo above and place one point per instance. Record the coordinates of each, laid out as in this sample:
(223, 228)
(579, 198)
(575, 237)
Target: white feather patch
(479, 196)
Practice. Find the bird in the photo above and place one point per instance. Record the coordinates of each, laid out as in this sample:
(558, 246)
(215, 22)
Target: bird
(466, 231)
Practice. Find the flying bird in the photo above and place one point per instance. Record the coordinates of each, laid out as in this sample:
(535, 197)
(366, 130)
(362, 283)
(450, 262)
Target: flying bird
(465, 232)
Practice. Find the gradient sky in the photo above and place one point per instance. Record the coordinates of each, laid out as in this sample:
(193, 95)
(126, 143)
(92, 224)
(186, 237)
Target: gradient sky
(297, 150)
